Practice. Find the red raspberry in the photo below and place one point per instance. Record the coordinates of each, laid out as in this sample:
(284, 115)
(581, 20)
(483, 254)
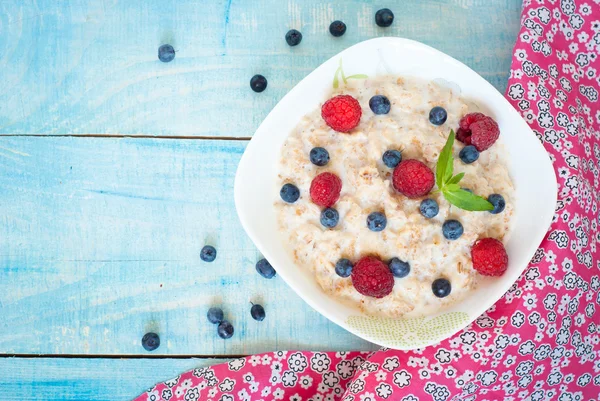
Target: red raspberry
(325, 189)
(464, 136)
(489, 257)
(413, 178)
(342, 113)
(469, 119)
(372, 277)
(484, 133)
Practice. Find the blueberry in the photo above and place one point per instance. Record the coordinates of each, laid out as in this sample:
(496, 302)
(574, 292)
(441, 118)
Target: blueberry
(441, 288)
(258, 83)
(215, 315)
(452, 229)
(264, 268)
(399, 267)
(343, 268)
(337, 28)
(257, 312)
(208, 253)
(293, 37)
(330, 217)
(289, 193)
(438, 115)
(469, 154)
(391, 158)
(429, 208)
(150, 341)
(384, 17)
(498, 202)
(379, 104)
(319, 156)
(166, 53)
(376, 221)
(225, 330)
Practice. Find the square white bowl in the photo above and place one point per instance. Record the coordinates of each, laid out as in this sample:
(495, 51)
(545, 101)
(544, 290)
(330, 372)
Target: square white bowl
(530, 168)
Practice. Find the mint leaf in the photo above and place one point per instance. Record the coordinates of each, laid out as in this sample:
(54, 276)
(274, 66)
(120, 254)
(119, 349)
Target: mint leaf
(451, 187)
(456, 179)
(358, 76)
(445, 163)
(336, 81)
(466, 200)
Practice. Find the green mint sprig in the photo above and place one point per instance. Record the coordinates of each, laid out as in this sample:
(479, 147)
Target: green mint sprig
(448, 184)
(340, 71)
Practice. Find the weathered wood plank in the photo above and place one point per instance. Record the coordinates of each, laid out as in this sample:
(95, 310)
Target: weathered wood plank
(91, 67)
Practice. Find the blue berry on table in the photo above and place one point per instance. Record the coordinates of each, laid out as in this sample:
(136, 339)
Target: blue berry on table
(215, 315)
(469, 154)
(399, 267)
(150, 341)
(258, 83)
(166, 53)
(289, 193)
(380, 104)
(384, 17)
(225, 330)
(429, 208)
(391, 158)
(343, 268)
(441, 288)
(452, 229)
(376, 221)
(293, 37)
(319, 156)
(330, 217)
(499, 203)
(208, 253)
(337, 28)
(257, 312)
(438, 115)
(264, 268)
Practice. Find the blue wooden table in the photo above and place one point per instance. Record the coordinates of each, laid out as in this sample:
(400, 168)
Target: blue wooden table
(115, 169)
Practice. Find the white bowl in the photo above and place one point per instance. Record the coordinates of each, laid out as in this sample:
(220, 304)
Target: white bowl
(530, 168)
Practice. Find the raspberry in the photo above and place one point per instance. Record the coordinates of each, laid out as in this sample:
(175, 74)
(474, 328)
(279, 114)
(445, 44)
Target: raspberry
(489, 257)
(484, 133)
(413, 178)
(325, 189)
(464, 136)
(342, 113)
(469, 119)
(372, 277)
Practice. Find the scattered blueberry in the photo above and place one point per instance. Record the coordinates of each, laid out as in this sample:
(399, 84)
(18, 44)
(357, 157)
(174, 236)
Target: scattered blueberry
(399, 267)
(330, 217)
(293, 37)
(379, 104)
(289, 193)
(469, 154)
(337, 28)
(429, 208)
(438, 115)
(257, 312)
(264, 268)
(319, 156)
(441, 288)
(208, 253)
(166, 53)
(498, 202)
(343, 268)
(384, 17)
(376, 221)
(391, 158)
(452, 229)
(258, 83)
(215, 315)
(225, 330)
(150, 341)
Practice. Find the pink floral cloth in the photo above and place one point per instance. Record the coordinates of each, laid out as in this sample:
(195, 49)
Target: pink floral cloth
(541, 340)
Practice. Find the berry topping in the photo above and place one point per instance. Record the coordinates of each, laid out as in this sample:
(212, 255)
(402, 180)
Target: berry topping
(380, 104)
(319, 156)
(225, 330)
(463, 136)
(452, 229)
(208, 253)
(498, 202)
(438, 115)
(413, 178)
(484, 133)
(384, 17)
(150, 341)
(343, 268)
(166, 53)
(371, 277)
(489, 257)
(376, 221)
(289, 193)
(342, 113)
(257, 312)
(329, 217)
(399, 268)
(337, 28)
(468, 119)
(325, 189)
(264, 268)
(441, 288)
(215, 315)
(391, 158)
(258, 83)
(429, 208)
(469, 154)
(293, 37)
